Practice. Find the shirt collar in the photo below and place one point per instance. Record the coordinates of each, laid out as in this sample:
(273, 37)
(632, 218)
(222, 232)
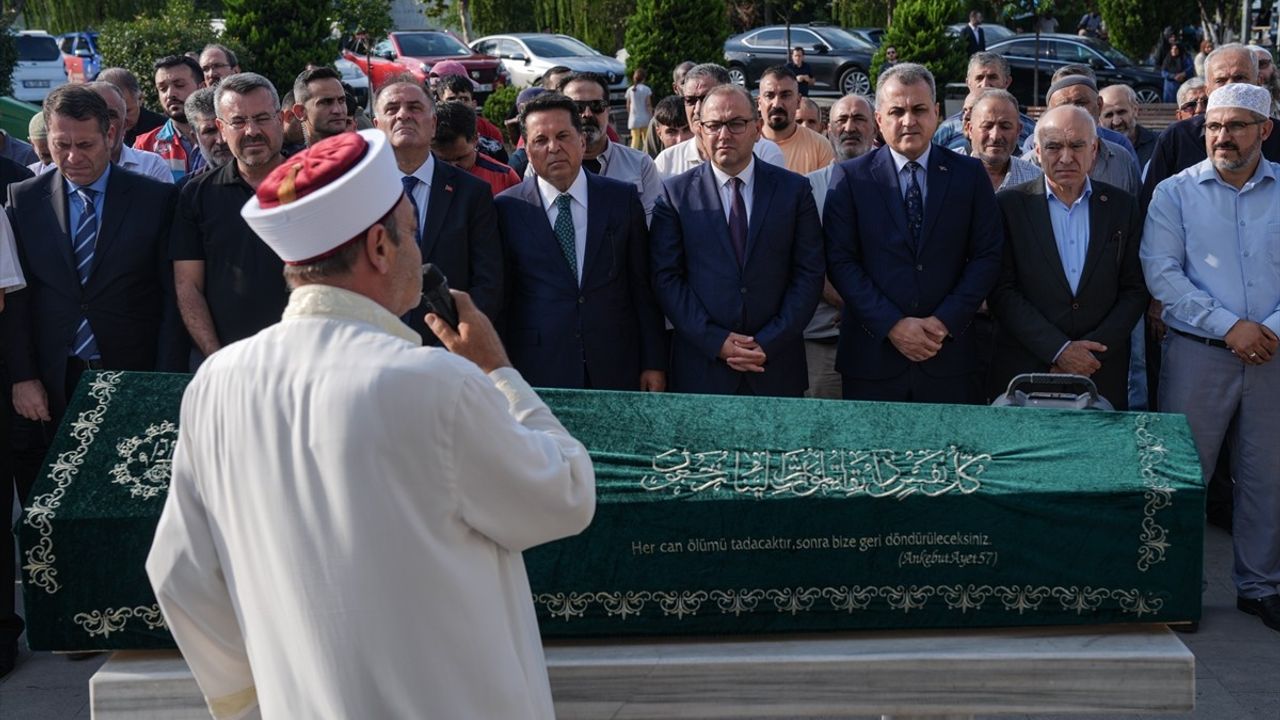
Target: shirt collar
(327, 301)
(99, 186)
(1205, 172)
(426, 171)
(900, 161)
(1088, 190)
(606, 155)
(577, 191)
(747, 174)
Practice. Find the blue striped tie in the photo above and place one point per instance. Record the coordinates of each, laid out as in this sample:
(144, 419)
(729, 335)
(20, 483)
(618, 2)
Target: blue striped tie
(85, 346)
(410, 184)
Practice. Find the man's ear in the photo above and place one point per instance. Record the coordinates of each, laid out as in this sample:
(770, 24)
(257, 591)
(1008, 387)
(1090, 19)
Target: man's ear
(377, 248)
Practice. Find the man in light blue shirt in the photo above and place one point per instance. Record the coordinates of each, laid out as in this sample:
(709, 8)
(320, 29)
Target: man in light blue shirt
(1209, 252)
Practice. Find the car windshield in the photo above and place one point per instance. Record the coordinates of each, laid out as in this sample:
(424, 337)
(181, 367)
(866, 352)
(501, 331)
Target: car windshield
(555, 47)
(838, 38)
(37, 48)
(430, 45)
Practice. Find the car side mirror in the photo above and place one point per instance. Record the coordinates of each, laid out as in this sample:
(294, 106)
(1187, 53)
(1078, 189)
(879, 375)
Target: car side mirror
(386, 54)
(519, 57)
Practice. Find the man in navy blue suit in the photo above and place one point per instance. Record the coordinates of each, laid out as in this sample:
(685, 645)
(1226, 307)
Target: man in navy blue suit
(737, 261)
(914, 247)
(581, 311)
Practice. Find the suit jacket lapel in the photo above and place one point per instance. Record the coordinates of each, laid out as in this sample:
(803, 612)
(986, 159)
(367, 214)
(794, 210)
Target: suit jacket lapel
(1098, 202)
(438, 201)
(1036, 206)
(887, 180)
(57, 187)
(761, 197)
(542, 233)
(706, 185)
(939, 180)
(596, 222)
(113, 215)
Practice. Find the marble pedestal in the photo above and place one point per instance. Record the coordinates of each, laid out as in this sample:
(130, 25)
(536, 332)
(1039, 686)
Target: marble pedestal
(1134, 669)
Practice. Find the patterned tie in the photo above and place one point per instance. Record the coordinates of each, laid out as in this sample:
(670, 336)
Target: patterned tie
(738, 221)
(85, 346)
(565, 233)
(915, 205)
(411, 182)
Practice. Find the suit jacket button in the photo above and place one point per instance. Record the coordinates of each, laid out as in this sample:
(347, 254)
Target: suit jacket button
(1075, 306)
(744, 291)
(919, 268)
(84, 308)
(581, 299)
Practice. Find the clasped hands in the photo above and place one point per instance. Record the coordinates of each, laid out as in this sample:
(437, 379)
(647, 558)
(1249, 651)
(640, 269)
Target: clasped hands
(1252, 342)
(742, 353)
(918, 339)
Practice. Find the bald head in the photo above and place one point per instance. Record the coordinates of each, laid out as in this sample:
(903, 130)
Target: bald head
(1120, 110)
(1067, 146)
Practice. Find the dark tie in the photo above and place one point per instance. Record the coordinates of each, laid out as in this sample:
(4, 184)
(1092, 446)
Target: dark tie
(410, 183)
(593, 165)
(915, 205)
(738, 221)
(85, 346)
(565, 233)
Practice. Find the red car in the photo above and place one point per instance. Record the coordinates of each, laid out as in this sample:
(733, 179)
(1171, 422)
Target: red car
(414, 52)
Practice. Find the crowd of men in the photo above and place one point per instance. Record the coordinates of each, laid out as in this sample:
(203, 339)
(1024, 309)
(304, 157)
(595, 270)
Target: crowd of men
(884, 253)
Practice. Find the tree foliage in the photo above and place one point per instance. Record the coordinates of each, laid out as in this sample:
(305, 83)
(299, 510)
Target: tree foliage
(919, 32)
(62, 16)
(499, 106)
(8, 55)
(282, 36)
(1133, 26)
(661, 34)
(367, 16)
(135, 43)
(863, 13)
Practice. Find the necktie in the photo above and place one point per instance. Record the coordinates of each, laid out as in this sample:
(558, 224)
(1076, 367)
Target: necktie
(411, 182)
(565, 233)
(83, 243)
(592, 165)
(915, 205)
(738, 221)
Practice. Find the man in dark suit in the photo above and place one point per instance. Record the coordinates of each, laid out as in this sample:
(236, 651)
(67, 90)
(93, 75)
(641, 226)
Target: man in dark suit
(975, 39)
(737, 261)
(1071, 287)
(92, 242)
(913, 247)
(457, 226)
(580, 311)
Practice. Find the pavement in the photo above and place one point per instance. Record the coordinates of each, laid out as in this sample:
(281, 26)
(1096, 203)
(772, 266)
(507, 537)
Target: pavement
(1237, 663)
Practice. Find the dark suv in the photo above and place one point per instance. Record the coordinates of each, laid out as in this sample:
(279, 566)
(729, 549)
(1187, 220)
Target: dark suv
(840, 60)
(1110, 66)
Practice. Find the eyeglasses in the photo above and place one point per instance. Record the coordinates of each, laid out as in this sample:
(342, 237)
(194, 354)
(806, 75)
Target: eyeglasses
(737, 126)
(1191, 105)
(214, 66)
(1231, 128)
(594, 106)
(692, 100)
(239, 124)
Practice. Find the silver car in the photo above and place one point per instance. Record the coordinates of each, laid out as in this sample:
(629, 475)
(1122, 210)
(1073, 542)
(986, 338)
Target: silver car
(526, 56)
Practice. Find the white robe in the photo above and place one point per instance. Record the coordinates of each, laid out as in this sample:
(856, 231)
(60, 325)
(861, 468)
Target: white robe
(343, 529)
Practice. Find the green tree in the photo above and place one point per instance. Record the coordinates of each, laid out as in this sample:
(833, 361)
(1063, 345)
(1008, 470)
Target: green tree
(863, 13)
(8, 55)
(367, 16)
(497, 16)
(919, 32)
(60, 16)
(134, 44)
(1133, 26)
(664, 33)
(500, 105)
(282, 36)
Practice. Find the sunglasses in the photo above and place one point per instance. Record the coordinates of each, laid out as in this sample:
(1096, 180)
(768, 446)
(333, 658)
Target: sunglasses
(594, 106)
(1191, 105)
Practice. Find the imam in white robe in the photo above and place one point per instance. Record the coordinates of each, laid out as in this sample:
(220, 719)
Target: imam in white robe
(343, 529)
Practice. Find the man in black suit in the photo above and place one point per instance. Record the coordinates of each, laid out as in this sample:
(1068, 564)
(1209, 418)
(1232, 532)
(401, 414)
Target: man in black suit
(1071, 287)
(92, 242)
(580, 311)
(975, 39)
(457, 225)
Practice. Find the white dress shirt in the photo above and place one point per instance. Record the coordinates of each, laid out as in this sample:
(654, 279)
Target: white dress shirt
(904, 175)
(683, 157)
(747, 176)
(146, 163)
(422, 191)
(577, 210)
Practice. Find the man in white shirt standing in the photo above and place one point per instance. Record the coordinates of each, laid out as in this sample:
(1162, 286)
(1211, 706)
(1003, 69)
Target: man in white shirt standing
(699, 81)
(340, 538)
(139, 161)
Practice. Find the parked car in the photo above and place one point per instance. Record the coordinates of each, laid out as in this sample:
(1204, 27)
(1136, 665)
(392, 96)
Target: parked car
(994, 33)
(414, 52)
(39, 68)
(840, 60)
(80, 55)
(873, 35)
(526, 56)
(1111, 66)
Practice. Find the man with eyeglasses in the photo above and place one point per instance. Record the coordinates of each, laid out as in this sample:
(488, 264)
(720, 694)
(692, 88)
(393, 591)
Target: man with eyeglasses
(1193, 97)
(737, 261)
(217, 62)
(229, 283)
(699, 81)
(1209, 253)
(590, 94)
(177, 76)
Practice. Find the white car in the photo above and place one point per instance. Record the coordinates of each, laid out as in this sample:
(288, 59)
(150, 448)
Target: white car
(39, 69)
(526, 56)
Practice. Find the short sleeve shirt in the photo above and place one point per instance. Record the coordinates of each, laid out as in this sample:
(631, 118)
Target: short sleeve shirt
(802, 69)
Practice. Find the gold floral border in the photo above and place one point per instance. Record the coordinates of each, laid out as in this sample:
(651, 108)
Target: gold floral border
(843, 598)
(1153, 540)
(105, 622)
(40, 569)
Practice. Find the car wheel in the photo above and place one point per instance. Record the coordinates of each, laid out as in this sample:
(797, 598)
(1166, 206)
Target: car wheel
(855, 80)
(1148, 94)
(738, 75)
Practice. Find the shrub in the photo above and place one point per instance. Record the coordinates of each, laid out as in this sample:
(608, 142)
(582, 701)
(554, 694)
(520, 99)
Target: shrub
(136, 44)
(8, 56)
(282, 36)
(500, 106)
(919, 32)
(1133, 26)
(661, 34)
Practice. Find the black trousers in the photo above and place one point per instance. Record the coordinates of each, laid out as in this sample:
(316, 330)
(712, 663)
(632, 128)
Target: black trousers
(914, 385)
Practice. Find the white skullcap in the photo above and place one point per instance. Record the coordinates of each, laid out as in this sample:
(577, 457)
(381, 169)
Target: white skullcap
(1243, 96)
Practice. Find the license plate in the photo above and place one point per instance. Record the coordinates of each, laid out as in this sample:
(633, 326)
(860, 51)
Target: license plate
(35, 83)
(484, 87)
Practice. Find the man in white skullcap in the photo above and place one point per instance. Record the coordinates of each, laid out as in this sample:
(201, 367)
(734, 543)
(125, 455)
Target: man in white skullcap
(1209, 253)
(341, 539)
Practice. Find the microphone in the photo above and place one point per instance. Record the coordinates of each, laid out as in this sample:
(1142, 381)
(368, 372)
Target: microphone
(435, 291)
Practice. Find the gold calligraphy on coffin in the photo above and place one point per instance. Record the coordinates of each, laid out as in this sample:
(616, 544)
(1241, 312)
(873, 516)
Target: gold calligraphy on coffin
(883, 473)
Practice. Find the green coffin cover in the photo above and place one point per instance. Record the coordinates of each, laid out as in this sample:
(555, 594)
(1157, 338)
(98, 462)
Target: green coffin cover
(722, 515)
